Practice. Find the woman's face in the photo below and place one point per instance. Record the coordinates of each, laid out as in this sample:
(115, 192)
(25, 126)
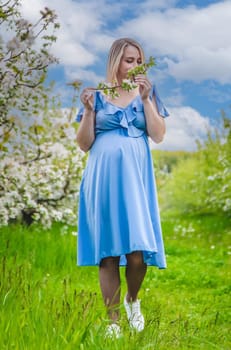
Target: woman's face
(130, 59)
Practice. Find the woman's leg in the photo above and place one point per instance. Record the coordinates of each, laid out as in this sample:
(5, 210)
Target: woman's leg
(135, 273)
(109, 276)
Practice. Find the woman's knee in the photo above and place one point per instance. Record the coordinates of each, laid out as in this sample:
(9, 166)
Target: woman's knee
(110, 262)
(135, 259)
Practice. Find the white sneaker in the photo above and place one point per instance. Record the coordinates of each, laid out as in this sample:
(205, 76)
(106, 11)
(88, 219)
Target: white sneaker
(113, 331)
(135, 317)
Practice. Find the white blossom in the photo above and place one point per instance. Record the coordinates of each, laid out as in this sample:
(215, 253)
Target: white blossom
(14, 44)
(38, 187)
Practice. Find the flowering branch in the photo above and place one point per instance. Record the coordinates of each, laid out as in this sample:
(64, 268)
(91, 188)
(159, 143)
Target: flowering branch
(127, 84)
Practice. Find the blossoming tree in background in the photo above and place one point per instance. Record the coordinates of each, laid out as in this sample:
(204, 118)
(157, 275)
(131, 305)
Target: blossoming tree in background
(22, 66)
(201, 184)
(40, 165)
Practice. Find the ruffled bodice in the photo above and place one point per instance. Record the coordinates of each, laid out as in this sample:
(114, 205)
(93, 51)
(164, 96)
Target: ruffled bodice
(110, 116)
(131, 118)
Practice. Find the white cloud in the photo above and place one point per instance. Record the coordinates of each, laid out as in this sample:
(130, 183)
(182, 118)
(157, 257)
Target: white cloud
(175, 99)
(72, 54)
(184, 126)
(214, 93)
(79, 23)
(200, 63)
(157, 4)
(194, 42)
(73, 73)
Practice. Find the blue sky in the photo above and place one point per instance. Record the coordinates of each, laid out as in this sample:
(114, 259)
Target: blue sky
(189, 39)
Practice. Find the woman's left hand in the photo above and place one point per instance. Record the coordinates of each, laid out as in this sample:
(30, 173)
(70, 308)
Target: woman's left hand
(144, 86)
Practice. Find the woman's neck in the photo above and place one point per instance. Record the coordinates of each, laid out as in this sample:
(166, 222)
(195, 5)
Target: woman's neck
(126, 93)
(124, 98)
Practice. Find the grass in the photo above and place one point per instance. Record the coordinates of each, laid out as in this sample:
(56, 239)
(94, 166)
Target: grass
(47, 302)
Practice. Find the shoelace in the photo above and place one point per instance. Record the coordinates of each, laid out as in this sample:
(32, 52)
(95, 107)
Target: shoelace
(135, 309)
(136, 319)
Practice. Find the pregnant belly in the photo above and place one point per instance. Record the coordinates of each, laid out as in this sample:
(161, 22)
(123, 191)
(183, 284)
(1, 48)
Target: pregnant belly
(116, 141)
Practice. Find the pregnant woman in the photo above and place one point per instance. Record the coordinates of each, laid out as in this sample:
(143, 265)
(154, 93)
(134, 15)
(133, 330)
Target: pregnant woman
(119, 222)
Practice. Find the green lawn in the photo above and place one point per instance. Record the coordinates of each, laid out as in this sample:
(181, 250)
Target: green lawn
(47, 302)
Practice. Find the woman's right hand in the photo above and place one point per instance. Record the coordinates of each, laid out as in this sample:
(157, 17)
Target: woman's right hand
(87, 99)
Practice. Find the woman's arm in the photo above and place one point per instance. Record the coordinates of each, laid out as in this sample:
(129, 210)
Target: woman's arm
(86, 131)
(155, 124)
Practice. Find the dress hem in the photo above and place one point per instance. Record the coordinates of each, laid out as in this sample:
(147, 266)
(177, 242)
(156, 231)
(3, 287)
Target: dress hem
(148, 258)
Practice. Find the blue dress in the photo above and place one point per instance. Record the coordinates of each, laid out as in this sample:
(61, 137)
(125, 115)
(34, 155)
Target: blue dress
(118, 208)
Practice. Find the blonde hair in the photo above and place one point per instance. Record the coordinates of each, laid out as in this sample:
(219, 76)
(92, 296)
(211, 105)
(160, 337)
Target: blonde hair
(116, 53)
